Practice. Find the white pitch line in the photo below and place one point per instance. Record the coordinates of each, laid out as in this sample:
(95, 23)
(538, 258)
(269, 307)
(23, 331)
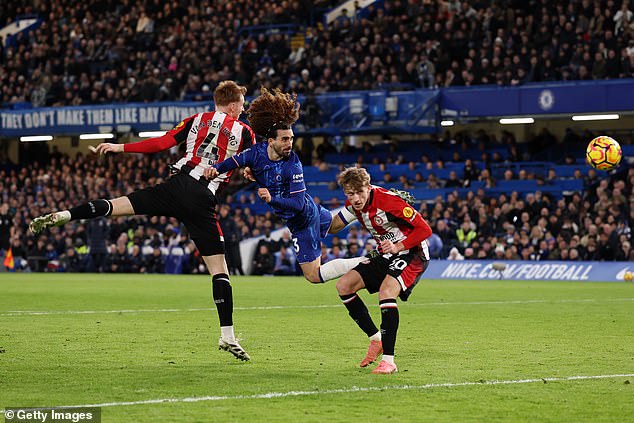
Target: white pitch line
(10, 313)
(352, 389)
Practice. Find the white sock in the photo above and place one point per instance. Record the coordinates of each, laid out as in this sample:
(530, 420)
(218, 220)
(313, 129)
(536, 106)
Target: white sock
(227, 333)
(338, 267)
(376, 336)
(388, 358)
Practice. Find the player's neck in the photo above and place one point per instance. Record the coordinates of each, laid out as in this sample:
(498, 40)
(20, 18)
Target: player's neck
(273, 156)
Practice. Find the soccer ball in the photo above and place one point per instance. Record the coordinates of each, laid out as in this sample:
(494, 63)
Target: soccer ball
(627, 276)
(603, 153)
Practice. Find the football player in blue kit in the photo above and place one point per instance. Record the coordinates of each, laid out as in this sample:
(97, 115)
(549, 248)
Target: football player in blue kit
(279, 175)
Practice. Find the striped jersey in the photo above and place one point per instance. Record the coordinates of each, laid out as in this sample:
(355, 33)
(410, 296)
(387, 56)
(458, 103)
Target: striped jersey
(387, 217)
(210, 137)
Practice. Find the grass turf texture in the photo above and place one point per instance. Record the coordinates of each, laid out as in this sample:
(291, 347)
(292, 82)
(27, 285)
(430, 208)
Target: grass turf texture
(451, 332)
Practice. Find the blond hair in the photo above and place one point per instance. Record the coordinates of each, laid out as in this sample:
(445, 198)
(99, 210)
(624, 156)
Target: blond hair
(353, 178)
(228, 92)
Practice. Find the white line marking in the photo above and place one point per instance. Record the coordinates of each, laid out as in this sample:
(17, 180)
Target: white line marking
(10, 313)
(351, 389)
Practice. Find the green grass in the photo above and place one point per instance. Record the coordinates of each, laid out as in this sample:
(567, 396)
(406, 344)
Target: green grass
(451, 332)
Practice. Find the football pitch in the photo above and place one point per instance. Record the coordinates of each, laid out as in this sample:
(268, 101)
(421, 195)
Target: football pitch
(144, 348)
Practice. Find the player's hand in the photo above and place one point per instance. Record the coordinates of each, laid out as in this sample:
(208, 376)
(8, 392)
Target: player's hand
(264, 194)
(247, 173)
(106, 147)
(388, 247)
(210, 173)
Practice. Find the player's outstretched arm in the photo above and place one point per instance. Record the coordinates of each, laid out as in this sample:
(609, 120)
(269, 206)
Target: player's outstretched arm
(106, 147)
(337, 224)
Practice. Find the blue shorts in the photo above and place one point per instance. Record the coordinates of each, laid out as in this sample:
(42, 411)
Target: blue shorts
(307, 240)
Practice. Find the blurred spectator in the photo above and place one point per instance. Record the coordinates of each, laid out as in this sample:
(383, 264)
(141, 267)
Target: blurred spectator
(454, 254)
(118, 261)
(155, 263)
(232, 239)
(98, 231)
(264, 261)
(284, 262)
(71, 262)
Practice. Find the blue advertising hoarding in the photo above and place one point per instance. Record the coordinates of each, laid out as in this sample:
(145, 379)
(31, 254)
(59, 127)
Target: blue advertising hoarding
(580, 271)
(341, 112)
(540, 98)
(105, 118)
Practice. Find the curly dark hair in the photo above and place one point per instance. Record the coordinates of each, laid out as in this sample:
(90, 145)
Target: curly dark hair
(272, 110)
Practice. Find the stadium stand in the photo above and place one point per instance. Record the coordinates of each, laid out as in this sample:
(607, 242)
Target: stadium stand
(589, 214)
(97, 52)
(521, 199)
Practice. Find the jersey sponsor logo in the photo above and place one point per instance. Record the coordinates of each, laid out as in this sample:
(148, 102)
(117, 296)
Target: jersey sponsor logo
(389, 236)
(408, 212)
(298, 177)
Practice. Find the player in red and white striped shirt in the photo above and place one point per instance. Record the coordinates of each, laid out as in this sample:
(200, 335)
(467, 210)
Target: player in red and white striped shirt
(210, 137)
(400, 232)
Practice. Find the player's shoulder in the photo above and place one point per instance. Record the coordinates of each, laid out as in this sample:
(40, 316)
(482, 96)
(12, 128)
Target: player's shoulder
(379, 191)
(384, 196)
(294, 158)
(228, 120)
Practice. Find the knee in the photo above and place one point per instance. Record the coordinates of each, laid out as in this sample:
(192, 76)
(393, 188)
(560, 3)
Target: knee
(313, 277)
(344, 287)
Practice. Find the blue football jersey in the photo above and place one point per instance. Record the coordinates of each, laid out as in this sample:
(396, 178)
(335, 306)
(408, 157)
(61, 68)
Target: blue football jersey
(283, 178)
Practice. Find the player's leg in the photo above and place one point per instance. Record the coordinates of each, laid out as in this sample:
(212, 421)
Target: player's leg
(365, 275)
(315, 272)
(120, 206)
(337, 267)
(223, 298)
(389, 291)
(158, 200)
(307, 243)
(403, 273)
(201, 221)
(307, 247)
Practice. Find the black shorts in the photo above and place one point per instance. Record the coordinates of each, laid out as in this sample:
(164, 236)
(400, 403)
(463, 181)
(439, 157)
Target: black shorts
(188, 200)
(406, 268)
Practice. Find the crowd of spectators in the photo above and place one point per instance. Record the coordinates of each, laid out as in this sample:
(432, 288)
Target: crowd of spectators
(592, 224)
(96, 51)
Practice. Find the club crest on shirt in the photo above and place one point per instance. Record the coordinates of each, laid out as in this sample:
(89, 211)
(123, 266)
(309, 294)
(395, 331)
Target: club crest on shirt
(378, 220)
(408, 212)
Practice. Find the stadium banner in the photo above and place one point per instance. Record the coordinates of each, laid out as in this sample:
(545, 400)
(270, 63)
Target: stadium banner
(578, 271)
(91, 119)
(540, 98)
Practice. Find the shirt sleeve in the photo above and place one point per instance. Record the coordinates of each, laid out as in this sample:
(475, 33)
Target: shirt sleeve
(151, 145)
(173, 137)
(297, 184)
(242, 159)
(403, 211)
(296, 199)
(346, 215)
(295, 202)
